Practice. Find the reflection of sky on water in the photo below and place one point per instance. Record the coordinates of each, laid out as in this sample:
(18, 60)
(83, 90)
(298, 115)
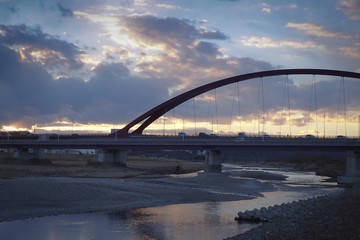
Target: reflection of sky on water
(181, 221)
(187, 221)
(208, 220)
(293, 176)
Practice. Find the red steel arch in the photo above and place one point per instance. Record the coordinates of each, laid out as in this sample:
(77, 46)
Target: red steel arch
(156, 112)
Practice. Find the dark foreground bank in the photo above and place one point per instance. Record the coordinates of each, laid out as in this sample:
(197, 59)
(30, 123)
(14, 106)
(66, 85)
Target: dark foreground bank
(336, 216)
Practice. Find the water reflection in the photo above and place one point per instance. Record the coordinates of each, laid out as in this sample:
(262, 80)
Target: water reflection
(209, 220)
(183, 221)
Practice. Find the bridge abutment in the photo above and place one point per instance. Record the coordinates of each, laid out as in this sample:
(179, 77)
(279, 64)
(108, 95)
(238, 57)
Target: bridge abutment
(213, 161)
(115, 156)
(352, 172)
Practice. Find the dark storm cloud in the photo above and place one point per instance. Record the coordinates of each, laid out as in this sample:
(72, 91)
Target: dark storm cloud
(21, 88)
(35, 39)
(192, 46)
(65, 12)
(170, 30)
(207, 48)
(122, 95)
(29, 95)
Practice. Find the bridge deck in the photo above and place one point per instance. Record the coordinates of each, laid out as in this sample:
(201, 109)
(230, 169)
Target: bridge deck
(190, 143)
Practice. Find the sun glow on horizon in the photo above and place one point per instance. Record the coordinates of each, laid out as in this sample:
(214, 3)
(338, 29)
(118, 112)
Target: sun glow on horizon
(297, 125)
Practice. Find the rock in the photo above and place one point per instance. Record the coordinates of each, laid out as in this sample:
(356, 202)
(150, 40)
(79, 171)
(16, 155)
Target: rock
(335, 216)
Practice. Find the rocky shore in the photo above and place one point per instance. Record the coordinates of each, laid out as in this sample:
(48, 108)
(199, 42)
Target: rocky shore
(334, 216)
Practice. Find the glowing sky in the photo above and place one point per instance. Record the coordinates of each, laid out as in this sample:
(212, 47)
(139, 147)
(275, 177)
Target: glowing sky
(103, 63)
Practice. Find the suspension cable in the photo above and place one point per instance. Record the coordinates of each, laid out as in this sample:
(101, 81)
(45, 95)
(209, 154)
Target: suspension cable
(174, 120)
(312, 91)
(263, 104)
(216, 113)
(186, 114)
(194, 114)
(282, 106)
(164, 119)
(316, 110)
(343, 83)
(341, 92)
(309, 110)
(232, 109)
(238, 97)
(257, 109)
(289, 109)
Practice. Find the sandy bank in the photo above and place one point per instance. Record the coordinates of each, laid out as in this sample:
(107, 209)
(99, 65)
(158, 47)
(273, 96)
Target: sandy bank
(28, 197)
(86, 166)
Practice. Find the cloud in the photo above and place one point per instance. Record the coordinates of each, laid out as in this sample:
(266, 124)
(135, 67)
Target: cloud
(33, 96)
(114, 92)
(316, 30)
(167, 6)
(203, 21)
(36, 46)
(149, 30)
(351, 8)
(352, 52)
(265, 8)
(268, 42)
(292, 6)
(176, 49)
(168, 57)
(207, 48)
(21, 87)
(65, 12)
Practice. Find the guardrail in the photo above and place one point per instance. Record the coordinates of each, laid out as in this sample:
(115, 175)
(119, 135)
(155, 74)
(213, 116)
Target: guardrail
(283, 144)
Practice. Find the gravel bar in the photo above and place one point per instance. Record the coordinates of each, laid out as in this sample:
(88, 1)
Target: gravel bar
(30, 197)
(334, 216)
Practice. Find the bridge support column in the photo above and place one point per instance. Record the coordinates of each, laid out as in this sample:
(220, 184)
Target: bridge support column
(212, 161)
(352, 172)
(38, 153)
(22, 153)
(112, 156)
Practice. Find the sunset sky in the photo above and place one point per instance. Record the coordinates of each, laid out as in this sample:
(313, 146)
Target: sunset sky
(94, 65)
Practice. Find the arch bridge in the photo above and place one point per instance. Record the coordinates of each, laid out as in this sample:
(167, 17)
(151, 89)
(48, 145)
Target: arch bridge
(116, 151)
(153, 114)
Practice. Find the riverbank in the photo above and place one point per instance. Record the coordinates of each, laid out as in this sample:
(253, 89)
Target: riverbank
(74, 165)
(29, 197)
(63, 186)
(335, 216)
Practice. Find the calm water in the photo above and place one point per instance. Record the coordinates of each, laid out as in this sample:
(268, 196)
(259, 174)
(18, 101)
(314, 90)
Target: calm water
(207, 220)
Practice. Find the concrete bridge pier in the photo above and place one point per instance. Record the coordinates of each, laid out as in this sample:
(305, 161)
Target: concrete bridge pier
(212, 161)
(22, 153)
(38, 153)
(27, 154)
(352, 172)
(116, 156)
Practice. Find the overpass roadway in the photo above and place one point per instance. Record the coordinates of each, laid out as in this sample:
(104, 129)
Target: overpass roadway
(190, 143)
(115, 149)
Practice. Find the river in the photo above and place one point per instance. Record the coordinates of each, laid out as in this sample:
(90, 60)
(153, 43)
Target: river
(206, 220)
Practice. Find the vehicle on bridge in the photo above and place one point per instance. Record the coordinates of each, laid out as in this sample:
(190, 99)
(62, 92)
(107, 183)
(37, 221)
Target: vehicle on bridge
(241, 137)
(203, 135)
(182, 134)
